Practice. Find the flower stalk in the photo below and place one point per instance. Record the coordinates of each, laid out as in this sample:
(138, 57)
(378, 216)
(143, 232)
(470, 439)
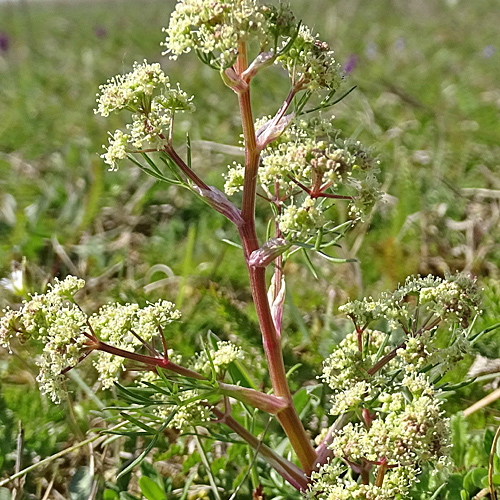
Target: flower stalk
(288, 417)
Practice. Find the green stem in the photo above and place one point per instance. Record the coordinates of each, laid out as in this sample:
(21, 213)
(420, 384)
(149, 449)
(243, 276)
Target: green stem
(206, 463)
(288, 418)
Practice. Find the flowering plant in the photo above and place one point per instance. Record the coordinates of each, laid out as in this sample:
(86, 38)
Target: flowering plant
(386, 422)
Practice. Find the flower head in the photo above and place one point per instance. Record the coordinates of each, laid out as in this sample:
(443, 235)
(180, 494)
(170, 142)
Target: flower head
(148, 95)
(120, 325)
(405, 430)
(454, 300)
(312, 166)
(66, 333)
(418, 308)
(334, 481)
(221, 357)
(215, 27)
(132, 91)
(52, 319)
(117, 149)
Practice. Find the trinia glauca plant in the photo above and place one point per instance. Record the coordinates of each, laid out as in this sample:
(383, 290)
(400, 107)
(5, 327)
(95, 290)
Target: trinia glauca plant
(387, 422)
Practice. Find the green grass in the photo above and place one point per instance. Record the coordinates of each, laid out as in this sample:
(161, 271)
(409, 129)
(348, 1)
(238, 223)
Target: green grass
(427, 100)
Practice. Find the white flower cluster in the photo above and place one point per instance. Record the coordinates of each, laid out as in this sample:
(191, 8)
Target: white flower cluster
(132, 91)
(225, 353)
(147, 93)
(406, 429)
(401, 424)
(346, 371)
(117, 149)
(310, 163)
(214, 27)
(334, 481)
(410, 430)
(433, 301)
(234, 179)
(310, 63)
(114, 324)
(457, 299)
(65, 331)
(301, 220)
(52, 319)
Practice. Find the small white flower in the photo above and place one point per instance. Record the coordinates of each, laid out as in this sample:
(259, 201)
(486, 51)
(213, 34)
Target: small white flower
(147, 93)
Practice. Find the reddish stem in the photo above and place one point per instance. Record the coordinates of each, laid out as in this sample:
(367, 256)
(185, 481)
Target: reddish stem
(331, 195)
(359, 334)
(80, 359)
(184, 168)
(367, 417)
(382, 468)
(388, 357)
(383, 361)
(323, 450)
(318, 193)
(265, 402)
(147, 345)
(365, 473)
(288, 418)
(278, 265)
(286, 469)
(148, 360)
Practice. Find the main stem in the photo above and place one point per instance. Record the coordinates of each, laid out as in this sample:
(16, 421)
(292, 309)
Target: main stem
(288, 418)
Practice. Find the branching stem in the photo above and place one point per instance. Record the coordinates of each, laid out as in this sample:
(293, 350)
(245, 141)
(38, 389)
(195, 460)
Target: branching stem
(148, 360)
(285, 468)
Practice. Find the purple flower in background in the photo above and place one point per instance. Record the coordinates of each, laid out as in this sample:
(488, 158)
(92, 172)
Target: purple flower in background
(488, 51)
(100, 31)
(4, 41)
(351, 63)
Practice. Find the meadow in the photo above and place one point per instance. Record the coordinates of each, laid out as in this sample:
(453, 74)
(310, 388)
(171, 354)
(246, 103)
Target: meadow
(426, 98)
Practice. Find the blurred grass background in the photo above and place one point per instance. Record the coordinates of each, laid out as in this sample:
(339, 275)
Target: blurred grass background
(427, 99)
